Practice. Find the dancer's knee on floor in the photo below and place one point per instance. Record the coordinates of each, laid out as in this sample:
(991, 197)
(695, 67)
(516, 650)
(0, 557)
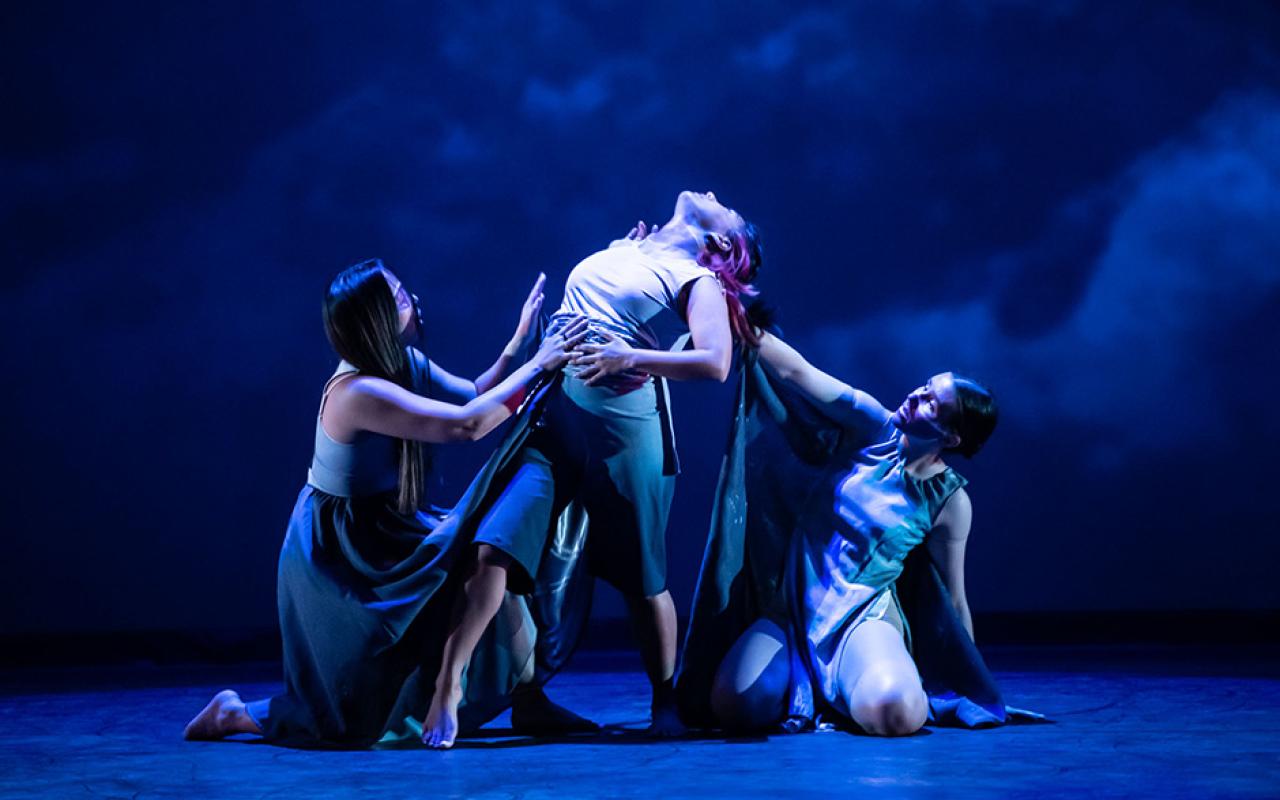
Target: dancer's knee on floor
(886, 702)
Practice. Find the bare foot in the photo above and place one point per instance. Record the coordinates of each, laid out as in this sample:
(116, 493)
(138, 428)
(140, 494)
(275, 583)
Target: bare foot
(533, 714)
(797, 723)
(440, 728)
(666, 722)
(225, 715)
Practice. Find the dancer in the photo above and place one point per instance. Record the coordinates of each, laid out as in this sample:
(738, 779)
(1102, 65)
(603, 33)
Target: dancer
(605, 442)
(360, 558)
(797, 609)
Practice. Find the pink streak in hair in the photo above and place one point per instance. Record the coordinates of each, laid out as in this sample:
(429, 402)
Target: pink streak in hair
(732, 269)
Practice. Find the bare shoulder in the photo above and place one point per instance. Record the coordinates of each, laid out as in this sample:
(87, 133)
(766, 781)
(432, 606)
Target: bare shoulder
(361, 384)
(955, 517)
(337, 409)
(702, 291)
(363, 390)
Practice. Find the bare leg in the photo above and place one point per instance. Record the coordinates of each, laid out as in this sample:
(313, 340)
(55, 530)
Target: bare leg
(654, 621)
(479, 600)
(225, 715)
(879, 681)
(750, 688)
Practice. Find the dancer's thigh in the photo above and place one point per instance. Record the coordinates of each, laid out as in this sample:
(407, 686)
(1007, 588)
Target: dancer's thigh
(628, 500)
(519, 519)
(878, 680)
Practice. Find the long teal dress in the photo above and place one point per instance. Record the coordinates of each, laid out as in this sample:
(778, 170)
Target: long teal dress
(854, 534)
(816, 525)
(365, 593)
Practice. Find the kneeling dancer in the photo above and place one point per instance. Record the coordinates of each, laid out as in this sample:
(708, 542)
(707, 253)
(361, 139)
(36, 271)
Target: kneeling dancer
(813, 568)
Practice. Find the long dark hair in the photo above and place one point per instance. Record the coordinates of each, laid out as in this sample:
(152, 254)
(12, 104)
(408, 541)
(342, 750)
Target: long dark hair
(362, 324)
(976, 418)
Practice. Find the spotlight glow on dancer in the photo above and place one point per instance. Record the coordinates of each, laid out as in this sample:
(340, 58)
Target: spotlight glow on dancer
(605, 438)
(824, 497)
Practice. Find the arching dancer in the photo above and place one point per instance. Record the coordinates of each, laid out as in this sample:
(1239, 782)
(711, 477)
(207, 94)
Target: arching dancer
(605, 442)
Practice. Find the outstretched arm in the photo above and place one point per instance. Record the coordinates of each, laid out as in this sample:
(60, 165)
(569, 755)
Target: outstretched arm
(709, 358)
(946, 543)
(380, 406)
(838, 400)
(789, 365)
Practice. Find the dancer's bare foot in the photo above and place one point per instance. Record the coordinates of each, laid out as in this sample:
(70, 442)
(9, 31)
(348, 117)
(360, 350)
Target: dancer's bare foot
(533, 714)
(225, 715)
(666, 722)
(440, 728)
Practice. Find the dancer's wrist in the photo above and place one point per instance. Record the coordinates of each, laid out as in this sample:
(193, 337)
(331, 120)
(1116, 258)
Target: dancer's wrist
(513, 347)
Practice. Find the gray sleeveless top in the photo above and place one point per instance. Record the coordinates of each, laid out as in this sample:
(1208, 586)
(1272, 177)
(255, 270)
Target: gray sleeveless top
(371, 463)
(852, 542)
(633, 292)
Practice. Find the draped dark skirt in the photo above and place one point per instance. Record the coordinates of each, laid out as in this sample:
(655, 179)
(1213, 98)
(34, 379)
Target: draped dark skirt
(780, 446)
(365, 594)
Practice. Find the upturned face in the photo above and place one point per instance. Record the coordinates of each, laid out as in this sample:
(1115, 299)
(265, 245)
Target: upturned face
(404, 304)
(927, 412)
(706, 212)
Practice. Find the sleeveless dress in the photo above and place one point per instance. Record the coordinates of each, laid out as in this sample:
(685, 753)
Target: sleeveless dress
(853, 539)
(364, 594)
(816, 525)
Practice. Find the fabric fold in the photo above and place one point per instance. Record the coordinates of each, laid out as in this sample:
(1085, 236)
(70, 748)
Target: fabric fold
(781, 450)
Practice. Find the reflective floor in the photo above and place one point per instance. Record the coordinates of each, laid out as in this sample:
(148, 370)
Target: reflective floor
(1129, 722)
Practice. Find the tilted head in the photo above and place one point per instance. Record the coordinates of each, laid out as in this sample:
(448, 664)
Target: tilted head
(703, 210)
(958, 412)
(368, 311)
(729, 246)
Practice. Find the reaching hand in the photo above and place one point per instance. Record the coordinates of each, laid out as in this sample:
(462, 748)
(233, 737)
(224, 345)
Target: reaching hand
(529, 312)
(640, 232)
(601, 360)
(555, 350)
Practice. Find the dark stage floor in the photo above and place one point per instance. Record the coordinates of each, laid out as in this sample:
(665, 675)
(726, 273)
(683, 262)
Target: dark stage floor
(1176, 722)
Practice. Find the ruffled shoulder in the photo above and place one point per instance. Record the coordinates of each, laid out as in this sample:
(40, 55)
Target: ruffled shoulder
(937, 489)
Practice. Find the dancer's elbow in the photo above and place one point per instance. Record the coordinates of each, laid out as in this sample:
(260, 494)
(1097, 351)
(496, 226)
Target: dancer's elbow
(716, 367)
(708, 372)
(466, 427)
(474, 429)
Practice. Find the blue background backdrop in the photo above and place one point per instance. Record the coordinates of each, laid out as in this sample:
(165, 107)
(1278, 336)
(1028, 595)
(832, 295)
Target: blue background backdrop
(1077, 202)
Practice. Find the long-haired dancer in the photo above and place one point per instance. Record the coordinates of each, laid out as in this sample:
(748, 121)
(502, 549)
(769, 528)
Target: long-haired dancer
(361, 558)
